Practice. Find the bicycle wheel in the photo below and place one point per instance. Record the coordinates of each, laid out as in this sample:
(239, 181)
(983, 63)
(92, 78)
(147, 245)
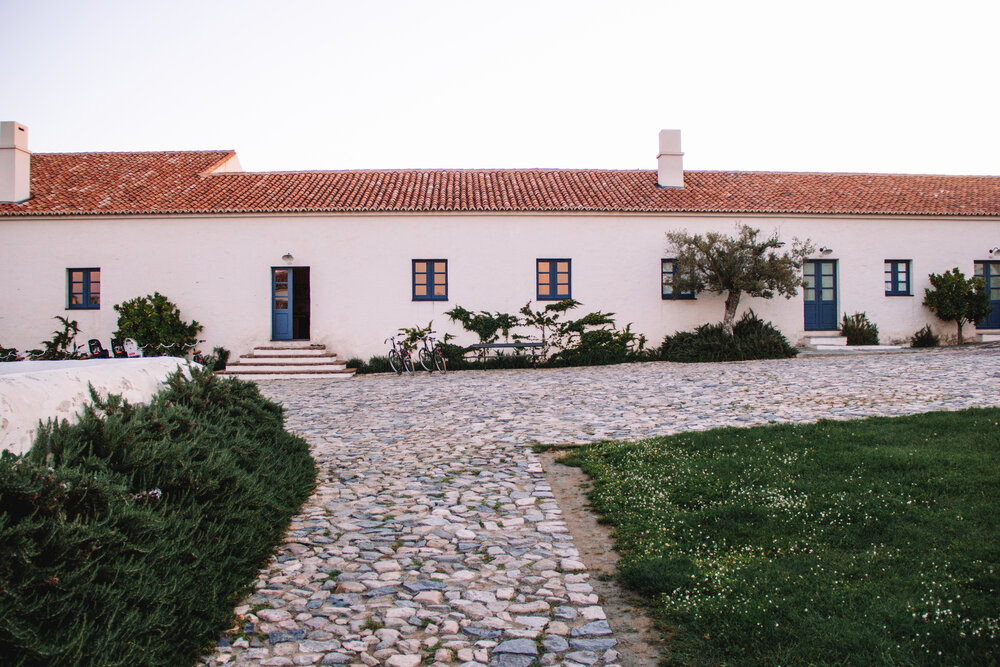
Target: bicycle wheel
(395, 362)
(425, 360)
(439, 361)
(408, 364)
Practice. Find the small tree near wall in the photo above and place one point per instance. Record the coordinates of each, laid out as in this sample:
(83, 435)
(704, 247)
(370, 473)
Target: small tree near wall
(954, 298)
(155, 323)
(733, 265)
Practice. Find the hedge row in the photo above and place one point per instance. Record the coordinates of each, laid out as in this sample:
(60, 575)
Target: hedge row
(128, 538)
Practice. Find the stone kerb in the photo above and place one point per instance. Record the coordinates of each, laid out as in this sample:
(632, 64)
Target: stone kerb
(33, 391)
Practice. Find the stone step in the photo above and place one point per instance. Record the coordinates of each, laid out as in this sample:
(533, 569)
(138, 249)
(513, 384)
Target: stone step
(288, 373)
(325, 358)
(853, 349)
(288, 350)
(826, 340)
(291, 365)
(989, 338)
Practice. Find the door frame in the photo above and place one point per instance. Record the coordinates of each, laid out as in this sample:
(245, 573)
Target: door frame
(992, 321)
(285, 312)
(818, 324)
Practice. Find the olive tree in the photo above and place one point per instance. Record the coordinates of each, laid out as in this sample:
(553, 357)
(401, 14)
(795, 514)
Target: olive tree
(732, 265)
(957, 299)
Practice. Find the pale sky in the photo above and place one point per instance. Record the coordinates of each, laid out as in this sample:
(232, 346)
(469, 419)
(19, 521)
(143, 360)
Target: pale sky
(874, 86)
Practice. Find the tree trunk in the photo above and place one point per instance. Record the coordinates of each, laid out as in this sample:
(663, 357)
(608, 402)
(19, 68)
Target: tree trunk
(959, 332)
(732, 302)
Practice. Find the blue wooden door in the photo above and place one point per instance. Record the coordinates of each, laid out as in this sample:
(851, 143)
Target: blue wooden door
(820, 294)
(281, 304)
(990, 272)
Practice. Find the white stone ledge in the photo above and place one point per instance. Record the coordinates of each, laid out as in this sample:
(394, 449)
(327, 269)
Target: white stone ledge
(41, 390)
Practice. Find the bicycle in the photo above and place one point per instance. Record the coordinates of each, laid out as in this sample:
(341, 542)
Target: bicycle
(430, 354)
(399, 360)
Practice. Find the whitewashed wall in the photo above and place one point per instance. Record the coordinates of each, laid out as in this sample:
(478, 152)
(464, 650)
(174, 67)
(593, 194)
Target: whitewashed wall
(218, 269)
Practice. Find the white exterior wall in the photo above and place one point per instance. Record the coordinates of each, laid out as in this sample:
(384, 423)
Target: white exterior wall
(217, 269)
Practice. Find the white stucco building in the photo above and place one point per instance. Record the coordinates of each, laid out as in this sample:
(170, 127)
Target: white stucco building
(345, 258)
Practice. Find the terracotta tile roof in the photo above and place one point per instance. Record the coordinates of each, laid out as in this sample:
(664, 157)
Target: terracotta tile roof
(181, 182)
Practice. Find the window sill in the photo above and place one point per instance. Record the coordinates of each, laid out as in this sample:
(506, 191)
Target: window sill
(83, 307)
(897, 294)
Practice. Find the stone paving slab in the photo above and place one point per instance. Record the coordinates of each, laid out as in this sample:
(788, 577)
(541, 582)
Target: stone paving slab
(433, 536)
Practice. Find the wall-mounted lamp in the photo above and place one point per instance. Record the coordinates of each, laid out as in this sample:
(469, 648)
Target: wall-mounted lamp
(994, 251)
(287, 257)
(825, 250)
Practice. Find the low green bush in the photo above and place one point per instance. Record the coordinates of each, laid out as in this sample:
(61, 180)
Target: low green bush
(859, 330)
(599, 347)
(925, 338)
(62, 345)
(752, 338)
(377, 364)
(129, 537)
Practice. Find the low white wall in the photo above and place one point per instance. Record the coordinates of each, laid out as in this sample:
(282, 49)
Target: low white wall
(41, 390)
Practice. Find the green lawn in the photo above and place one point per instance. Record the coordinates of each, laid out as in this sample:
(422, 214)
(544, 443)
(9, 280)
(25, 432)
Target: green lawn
(863, 542)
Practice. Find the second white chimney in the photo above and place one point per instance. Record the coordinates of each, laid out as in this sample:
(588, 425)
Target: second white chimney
(670, 161)
(15, 163)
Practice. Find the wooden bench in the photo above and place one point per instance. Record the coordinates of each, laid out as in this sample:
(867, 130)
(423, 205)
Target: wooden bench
(534, 349)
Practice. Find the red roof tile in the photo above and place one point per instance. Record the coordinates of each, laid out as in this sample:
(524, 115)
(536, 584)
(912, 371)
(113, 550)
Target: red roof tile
(181, 182)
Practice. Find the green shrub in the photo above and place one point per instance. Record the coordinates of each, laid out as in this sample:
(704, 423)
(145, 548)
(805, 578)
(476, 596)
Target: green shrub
(62, 345)
(220, 357)
(377, 364)
(752, 338)
(925, 338)
(8, 354)
(128, 538)
(155, 323)
(859, 330)
(599, 347)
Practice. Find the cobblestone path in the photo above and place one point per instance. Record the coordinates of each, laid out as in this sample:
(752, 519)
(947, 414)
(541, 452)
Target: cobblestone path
(433, 536)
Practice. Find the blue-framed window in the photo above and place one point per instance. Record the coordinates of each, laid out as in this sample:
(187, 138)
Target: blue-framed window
(552, 279)
(668, 271)
(84, 287)
(430, 280)
(897, 277)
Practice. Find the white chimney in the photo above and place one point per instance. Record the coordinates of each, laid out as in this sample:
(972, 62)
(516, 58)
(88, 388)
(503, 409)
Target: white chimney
(15, 163)
(670, 161)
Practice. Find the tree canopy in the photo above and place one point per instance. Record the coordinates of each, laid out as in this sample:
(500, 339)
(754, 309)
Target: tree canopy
(733, 265)
(955, 298)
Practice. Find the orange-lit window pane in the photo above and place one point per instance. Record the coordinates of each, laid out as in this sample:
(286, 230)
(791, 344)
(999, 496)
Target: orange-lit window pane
(430, 279)
(552, 278)
(84, 288)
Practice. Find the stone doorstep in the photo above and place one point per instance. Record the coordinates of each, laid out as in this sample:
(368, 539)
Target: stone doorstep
(858, 348)
(989, 337)
(317, 362)
(828, 340)
(290, 351)
(339, 375)
(280, 358)
(282, 369)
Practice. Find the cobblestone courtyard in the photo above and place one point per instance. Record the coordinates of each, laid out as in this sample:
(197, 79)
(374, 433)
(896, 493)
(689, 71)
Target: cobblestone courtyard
(433, 534)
